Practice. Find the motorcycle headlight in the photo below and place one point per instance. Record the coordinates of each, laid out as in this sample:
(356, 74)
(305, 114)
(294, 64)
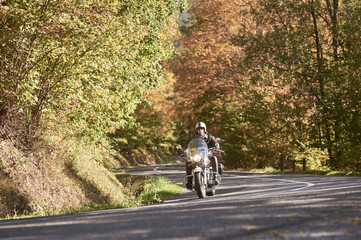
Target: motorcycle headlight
(197, 158)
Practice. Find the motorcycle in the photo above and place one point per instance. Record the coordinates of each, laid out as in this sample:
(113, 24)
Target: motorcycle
(205, 179)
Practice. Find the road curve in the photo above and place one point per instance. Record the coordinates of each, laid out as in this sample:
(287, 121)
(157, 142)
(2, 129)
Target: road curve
(246, 206)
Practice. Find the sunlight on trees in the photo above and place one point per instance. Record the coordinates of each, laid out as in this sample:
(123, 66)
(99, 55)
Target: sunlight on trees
(81, 66)
(291, 79)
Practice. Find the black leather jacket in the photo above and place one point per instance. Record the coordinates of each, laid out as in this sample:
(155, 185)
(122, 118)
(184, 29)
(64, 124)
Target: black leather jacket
(210, 140)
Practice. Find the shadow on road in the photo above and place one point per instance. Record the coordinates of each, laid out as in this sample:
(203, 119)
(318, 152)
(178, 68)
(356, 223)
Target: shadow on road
(243, 208)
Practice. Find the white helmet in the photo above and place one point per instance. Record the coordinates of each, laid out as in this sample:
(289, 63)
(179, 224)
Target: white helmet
(201, 125)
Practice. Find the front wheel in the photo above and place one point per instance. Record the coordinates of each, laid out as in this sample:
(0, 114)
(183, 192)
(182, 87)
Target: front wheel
(211, 192)
(199, 185)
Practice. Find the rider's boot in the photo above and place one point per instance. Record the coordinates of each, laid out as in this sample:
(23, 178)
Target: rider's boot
(189, 179)
(189, 182)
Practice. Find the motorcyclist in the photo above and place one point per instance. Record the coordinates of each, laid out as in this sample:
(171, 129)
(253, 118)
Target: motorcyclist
(201, 132)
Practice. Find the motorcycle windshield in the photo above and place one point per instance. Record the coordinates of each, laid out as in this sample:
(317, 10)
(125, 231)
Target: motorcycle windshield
(197, 145)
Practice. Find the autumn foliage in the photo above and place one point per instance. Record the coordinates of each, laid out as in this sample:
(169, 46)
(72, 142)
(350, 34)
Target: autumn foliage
(276, 80)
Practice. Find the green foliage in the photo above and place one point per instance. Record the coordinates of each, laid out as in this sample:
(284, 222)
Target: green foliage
(153, 133)
(316, 159)
(71, 72)
(158, 190)
(90, 62)
(148, 190)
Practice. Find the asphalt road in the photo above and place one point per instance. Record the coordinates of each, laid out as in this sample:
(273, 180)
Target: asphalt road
(246, 206)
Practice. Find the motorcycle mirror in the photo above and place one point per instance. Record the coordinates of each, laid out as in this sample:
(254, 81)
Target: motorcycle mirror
(218, 140)
(179, 147)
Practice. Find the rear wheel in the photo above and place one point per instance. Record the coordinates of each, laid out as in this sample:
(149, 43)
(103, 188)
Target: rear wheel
(199, 185)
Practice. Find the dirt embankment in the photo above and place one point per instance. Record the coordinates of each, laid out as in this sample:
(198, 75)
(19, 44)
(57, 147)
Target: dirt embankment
(50, 181)
(55, 180)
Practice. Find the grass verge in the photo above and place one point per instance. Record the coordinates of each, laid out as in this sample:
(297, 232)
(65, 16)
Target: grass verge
(144, 190)
(157, 190)
(139, 190)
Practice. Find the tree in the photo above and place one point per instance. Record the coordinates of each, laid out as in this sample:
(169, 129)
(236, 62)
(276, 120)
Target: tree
(88, 62)
(206, 61)
(289, 81)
